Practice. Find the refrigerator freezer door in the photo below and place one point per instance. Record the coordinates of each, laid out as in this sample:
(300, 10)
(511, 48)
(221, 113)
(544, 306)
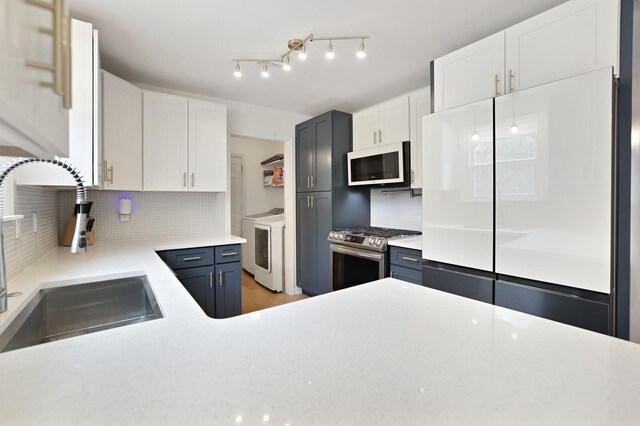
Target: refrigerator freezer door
(553, 182)
(457, 191)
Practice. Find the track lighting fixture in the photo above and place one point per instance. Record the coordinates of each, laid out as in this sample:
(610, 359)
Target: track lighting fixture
(299, 46)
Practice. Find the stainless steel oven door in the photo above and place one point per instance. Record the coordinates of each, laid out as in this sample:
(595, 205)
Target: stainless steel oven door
(352, 266)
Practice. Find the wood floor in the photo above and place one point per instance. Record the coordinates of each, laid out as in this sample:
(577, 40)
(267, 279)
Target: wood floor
(256, 297)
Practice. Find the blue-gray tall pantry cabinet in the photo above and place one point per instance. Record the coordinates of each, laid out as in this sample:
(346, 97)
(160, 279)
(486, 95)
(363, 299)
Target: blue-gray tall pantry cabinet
(324, 201)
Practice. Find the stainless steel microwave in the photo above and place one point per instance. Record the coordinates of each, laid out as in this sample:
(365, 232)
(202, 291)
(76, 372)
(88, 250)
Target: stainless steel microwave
(384, 165)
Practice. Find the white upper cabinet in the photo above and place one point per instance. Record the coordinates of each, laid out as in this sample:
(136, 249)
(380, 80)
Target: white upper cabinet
(121, 134)
(85, 147)
(365, 128)
(166, 124)
(576, 37)
(387, 122)
(207, 146)
(185, 144)
(420, 105)
(394, 120)
(34, 119)
(470, 74)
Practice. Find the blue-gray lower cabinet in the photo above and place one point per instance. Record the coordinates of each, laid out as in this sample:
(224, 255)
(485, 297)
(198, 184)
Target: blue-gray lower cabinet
(406, 264)
(228, 288)
(211, 275)
(198, 281)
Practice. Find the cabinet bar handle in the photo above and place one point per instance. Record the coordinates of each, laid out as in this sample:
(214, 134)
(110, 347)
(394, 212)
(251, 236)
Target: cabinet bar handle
(379, 136)
(104, 171)
(375, 137)
(66, 62)
(313, 182)
(58, 31)
(510, 81)
(308, 202)
(497, 82)
(233, 253)
(110, 173)
(308, 184)
(184, 180)
(312, 202)
(193, 179)
(210, 279)
(409, 258)
(220, 276)
(187, 259)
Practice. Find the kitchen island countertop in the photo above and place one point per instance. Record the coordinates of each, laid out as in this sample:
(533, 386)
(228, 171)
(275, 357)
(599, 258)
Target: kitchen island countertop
(387, 352)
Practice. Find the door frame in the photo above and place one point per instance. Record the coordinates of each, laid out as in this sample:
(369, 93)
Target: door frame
(243, 201)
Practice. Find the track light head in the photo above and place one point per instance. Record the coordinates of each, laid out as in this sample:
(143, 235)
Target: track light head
(361, 53)
(237, 73)
(287, 63)
(302, 55)
(330, 54)
(265, 70)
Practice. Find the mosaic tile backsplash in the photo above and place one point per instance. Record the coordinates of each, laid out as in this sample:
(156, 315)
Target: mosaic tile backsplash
(155, 214)
(398, 210)
(22, 252)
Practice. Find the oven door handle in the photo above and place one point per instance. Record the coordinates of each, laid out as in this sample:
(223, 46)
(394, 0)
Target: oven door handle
(357, 253)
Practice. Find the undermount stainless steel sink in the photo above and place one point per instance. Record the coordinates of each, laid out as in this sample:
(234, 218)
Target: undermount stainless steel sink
(69, 311)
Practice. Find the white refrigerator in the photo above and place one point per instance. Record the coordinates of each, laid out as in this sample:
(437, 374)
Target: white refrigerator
(517, 199)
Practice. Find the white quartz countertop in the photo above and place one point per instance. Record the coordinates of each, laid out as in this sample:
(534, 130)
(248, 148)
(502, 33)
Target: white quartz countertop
(413, 243)
(383, 353)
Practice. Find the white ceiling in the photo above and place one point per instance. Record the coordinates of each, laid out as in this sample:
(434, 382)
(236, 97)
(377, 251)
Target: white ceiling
(189, 44)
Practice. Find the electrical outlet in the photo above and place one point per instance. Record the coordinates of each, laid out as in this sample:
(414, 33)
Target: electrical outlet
(35, 223)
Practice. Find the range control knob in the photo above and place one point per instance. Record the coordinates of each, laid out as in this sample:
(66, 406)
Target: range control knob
(379, 243)
(332, 235)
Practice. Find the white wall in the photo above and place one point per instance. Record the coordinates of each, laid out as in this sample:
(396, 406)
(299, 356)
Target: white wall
(257, 198)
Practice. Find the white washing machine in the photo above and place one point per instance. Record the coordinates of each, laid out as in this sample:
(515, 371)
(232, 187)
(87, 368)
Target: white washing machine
(248, 233)
(269, 253)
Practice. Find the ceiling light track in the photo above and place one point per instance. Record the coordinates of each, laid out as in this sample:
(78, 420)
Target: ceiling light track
(299, 46)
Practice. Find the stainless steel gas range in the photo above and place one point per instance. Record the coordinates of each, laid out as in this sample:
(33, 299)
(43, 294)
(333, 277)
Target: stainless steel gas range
(360, 255)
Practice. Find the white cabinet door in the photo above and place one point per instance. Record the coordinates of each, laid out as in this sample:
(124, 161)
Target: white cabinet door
(553, 182)
(208, 157)
(121, 134)
(165, 141)
(32, 118)
(470, 74)
(420, 105)
(457, 186)
(394, 120)
(365, 128)
(576, 37)
(84, 137)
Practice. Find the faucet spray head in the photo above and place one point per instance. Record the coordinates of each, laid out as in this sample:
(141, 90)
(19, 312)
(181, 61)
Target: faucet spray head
(79, 241)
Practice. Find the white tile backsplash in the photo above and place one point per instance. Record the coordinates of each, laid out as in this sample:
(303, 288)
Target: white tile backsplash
(23, 252)
(155, 214)
(396, 210)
